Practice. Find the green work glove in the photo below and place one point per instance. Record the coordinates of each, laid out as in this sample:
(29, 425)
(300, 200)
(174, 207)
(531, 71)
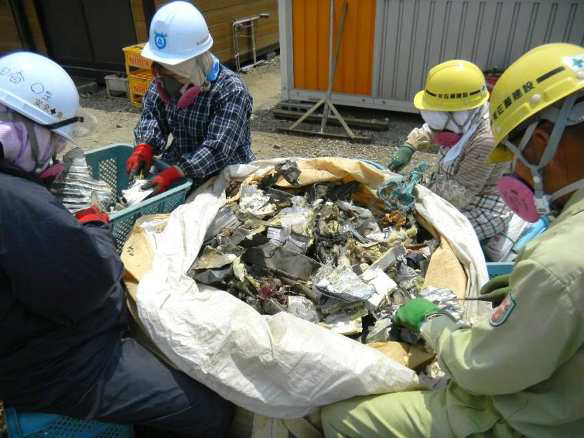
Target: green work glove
(413, 313)
(495, 290)
(401, 157)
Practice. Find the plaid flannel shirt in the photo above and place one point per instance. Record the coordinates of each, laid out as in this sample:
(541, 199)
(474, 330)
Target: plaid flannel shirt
(211, 133)
(469, 183)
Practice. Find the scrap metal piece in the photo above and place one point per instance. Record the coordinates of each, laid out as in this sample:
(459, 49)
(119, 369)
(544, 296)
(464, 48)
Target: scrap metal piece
(342, 192)
(380, 332)
(382, 284)
(212, 258)
(134, 194)
(280, 197)
(281, 260)
(256, 202)
(445, 299)
(345, 323)
(342, 283)
(316, 192)
(304, 289)
(76, 187)
(225, 218)
(289, 171)
(389, 258)
(303, 308)
(213, 276)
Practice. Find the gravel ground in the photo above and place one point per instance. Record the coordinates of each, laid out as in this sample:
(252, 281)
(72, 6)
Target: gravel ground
(116, 119)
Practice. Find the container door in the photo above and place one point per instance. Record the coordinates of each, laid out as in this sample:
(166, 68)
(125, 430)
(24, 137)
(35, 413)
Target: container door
(310, 20)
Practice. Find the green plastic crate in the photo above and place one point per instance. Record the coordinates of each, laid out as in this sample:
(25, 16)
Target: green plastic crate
(37, 425)
(109, 165)
(499, 268)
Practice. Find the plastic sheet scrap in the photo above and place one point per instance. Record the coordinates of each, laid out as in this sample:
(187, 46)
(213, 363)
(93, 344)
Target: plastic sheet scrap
(315, 252)
(398, 192)
(135, 193)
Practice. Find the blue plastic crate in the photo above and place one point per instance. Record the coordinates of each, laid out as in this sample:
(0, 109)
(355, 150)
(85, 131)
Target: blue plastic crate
(109, 164)
(36, 425)
(499, 268)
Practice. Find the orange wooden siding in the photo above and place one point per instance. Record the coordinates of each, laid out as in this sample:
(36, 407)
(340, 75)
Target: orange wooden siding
(310, 21)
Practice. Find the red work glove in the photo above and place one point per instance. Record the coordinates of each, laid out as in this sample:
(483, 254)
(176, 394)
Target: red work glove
(141, 159)
(92, 214)
(164, 179)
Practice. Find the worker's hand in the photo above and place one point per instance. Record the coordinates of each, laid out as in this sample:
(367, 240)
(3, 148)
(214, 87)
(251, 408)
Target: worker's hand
(412, 314)
(401, 157)
(496, 289)
(164, 179)
(420, 137)
(92, 215)
(140, 160)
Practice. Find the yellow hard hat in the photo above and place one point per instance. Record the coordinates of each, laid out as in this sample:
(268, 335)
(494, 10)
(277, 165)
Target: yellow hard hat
(455, 85)
(538, 79)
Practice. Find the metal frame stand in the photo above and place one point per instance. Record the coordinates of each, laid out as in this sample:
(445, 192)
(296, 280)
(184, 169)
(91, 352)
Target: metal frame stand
(240, 25)
(327, 99)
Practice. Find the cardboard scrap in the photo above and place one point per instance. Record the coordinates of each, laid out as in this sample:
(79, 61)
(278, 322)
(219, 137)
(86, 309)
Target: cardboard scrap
(407, 355)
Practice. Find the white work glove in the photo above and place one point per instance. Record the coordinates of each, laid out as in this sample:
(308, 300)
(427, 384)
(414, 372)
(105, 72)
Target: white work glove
(420, 137)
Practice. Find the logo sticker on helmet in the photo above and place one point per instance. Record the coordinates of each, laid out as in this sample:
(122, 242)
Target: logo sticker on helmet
(17, 77)
(575, 63)
(160, 40)
(37, 88)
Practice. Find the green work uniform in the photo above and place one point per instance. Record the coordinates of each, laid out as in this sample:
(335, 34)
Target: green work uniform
(519, 372)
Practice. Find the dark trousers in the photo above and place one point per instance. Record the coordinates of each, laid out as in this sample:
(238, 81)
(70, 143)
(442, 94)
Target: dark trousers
(139, 389)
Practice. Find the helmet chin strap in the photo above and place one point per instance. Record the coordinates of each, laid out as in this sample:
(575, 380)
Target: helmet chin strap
(543, 200)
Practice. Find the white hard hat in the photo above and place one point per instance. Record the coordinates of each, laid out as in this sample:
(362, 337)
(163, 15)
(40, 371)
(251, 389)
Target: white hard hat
(178, 32)
(40, 90)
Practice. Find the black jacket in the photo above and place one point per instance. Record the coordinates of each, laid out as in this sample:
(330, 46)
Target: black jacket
(62, 308)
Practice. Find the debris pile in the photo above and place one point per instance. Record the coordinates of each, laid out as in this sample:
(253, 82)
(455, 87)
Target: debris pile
(317, 252)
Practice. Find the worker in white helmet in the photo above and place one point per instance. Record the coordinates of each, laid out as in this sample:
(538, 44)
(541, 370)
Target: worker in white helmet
(64, 347)
(204, 105)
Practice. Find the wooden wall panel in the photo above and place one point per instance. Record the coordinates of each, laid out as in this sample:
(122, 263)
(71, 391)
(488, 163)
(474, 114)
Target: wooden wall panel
(9, 37)
(310, 27)
(35, 26)
(220, 15)
(140, 24)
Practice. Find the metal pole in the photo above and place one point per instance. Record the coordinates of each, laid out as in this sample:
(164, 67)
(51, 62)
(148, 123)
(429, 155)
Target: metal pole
(253, 43)
(333, 62)
(331, 73)
(328, 99)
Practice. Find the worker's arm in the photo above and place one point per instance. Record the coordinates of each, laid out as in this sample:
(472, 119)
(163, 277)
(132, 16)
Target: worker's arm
(527, 337)
(417, 137)
(152, 128)
(227, 130)
(57, 268)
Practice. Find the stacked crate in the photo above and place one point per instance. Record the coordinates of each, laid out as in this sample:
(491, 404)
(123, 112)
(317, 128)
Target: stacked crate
(139, 73)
